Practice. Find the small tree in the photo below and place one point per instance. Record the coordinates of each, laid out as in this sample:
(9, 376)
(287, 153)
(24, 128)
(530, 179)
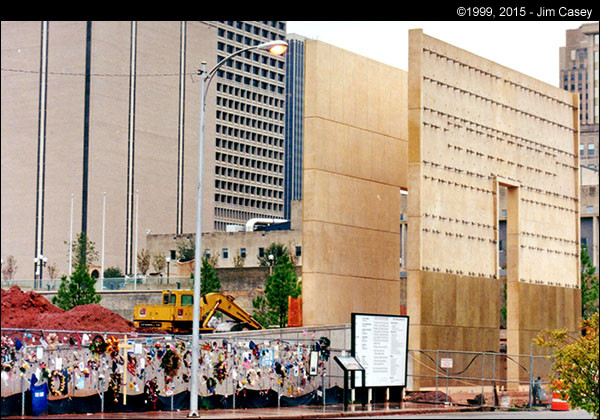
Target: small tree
(261, 312)
(238, 260)
(276, 250)
(186, 248)
(112, 272)
(210, 279)
(279, 286)
(589, 285)
(83, 250)
(143, 261)
(52, 271)
(575, 367)
(79, 289)
(159, 262)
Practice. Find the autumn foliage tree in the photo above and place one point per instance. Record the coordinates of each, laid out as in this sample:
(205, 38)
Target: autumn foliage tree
(575, 364)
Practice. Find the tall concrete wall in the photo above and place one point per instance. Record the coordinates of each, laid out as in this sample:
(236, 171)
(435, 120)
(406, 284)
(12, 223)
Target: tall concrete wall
(355, 142)
(475, 127)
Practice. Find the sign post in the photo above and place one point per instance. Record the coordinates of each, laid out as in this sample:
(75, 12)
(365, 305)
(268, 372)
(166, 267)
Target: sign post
(350, 364)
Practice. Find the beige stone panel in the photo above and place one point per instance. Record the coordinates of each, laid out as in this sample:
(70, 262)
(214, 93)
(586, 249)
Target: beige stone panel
(362, 92)
(414, 298)
(354, 152)
(334, 298)
(374, 205)
(350, 251)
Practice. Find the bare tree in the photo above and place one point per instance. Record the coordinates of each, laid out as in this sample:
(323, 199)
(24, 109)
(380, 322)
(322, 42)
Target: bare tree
(159, 262)
(143, 260)
(52, 271)
(9, 268)
(238, 260)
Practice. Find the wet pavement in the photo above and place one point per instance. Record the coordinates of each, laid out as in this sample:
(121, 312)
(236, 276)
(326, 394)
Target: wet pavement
(300, 412)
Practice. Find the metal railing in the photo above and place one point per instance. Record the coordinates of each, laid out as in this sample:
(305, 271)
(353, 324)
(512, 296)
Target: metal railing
(483, 372)
(114, 283)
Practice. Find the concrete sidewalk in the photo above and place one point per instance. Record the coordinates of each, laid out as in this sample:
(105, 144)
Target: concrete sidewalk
(301, 412)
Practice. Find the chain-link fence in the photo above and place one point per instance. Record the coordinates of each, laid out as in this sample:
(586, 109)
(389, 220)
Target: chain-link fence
(142, 282)
(486, 375)
(273, 364)
(115, 366)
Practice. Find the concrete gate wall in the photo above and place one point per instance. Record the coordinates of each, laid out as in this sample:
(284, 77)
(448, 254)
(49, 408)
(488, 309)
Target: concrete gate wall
(475, 126)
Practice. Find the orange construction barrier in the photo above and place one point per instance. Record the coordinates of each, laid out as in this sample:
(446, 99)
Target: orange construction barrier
(558, 404)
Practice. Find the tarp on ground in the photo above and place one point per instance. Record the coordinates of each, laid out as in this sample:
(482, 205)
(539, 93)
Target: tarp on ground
(248, 398)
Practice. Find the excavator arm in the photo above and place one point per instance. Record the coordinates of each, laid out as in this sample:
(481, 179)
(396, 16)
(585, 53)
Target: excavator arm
(212, 302)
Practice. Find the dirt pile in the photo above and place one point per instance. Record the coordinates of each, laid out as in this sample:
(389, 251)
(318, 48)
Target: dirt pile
(33, 311)
(427, 397)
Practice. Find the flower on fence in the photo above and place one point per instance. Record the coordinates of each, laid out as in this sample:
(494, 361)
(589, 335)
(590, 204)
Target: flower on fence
(220, 369)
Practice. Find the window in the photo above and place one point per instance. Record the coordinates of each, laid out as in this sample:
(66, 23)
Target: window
(225, 253)
(243, 252)
(298, 251)
(261, 252)
(581, 149)
(187, 300)
(169, 299)
(591, 149)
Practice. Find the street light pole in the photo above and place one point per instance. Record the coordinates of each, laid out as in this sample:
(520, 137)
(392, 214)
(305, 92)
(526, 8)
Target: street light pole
(277, 47)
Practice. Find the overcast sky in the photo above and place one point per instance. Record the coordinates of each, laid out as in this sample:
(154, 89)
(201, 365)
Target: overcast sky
(531, 48)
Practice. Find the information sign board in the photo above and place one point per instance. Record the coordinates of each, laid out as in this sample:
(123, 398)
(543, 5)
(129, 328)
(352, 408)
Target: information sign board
(380, 344)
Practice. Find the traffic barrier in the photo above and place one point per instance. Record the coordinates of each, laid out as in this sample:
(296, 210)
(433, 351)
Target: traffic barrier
(558, 404)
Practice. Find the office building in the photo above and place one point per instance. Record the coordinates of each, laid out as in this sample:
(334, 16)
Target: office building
(579, 73)
(100, 127)
(249, 156)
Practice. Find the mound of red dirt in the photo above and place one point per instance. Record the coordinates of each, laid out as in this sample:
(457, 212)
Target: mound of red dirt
(31, 310)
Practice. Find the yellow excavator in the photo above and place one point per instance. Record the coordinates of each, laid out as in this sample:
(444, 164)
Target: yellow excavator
(175, 314)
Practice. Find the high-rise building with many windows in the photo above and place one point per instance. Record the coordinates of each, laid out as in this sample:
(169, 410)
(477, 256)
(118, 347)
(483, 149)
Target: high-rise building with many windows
(249, 154)
(579, 73)
(100, 128)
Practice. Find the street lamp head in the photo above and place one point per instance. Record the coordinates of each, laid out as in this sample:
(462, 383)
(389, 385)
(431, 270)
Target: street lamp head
(277, 47)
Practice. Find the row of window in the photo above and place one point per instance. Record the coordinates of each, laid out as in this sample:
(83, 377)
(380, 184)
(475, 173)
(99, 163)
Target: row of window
(243, 253)
(250, 109)
(254, 28)
(239, 215)
(245, 107)
(248, 202)
(249, 95)
(249, 148)
(251, 122)
(248, 189)
(591, 149)
(248, 176)
(248, 162)
(252, 68)
(248, 81)
(239, 133)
